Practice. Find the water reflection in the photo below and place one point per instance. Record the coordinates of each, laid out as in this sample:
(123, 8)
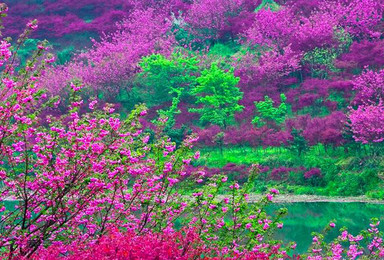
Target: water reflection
(305, 218)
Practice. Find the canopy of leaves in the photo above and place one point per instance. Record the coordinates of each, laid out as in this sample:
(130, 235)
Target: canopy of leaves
(162, 77)
(219, 96)
(268, 112)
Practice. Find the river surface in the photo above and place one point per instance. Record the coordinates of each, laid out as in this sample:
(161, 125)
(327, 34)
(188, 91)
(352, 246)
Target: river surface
(306, 217)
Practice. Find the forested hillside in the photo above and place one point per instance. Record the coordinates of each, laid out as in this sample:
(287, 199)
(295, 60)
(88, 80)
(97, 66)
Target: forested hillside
(141, 129)
(295, 86)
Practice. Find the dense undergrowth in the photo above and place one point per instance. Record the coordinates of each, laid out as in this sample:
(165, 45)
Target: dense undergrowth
(318, 172)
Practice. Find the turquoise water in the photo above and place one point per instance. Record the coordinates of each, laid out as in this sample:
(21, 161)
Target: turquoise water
(304, 218)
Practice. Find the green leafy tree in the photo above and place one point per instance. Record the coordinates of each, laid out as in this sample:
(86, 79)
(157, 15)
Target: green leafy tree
(218, 94)
(298, 143)
(321, 61)
(267, 112)
(162, 78)
(169, 114)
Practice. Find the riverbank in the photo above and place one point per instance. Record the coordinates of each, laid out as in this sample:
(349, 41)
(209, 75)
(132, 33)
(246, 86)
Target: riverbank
(287, 198)
(290, 198)
(331, 172)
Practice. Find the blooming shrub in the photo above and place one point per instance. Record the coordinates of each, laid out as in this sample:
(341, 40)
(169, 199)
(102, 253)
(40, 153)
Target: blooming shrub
(314, 172)
(118, 245)
(348, 246)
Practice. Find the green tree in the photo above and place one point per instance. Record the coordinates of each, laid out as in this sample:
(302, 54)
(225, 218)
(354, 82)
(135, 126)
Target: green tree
(267, 112)
(168, 116)
(298, 143)
(170, 113)
(162, 78)
(321, 61)
(219, 96)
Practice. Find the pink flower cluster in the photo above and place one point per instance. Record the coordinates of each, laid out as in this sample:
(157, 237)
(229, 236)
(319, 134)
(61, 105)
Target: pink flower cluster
(367, 123)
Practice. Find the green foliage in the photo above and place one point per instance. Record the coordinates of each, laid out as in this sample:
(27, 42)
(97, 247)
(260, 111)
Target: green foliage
(65, 55)
(304, 190)
(344, 38)
(267, 112)
(268, 4)
(219, 140)
(298, 144)
(223, 50)
(128, 98)
(177, 135)
(338, 97)
(185, 38)
(349, 184)
(219, 96)
(376, 194)
(171, 112)
(168, 115)
(321, 61)
(161, 77)
(26, 49)
(343, 174)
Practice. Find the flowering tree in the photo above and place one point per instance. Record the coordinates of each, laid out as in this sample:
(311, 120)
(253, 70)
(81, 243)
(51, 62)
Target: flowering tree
(326, 130)
(282, 27)
(274, 65)
(362, 54)
(368, 244)
(347, 245)
(366, 120)
(123, 245)
(207, 19)
(367, 123)
(58, 18)
(260, 73)
(369, 86)
(88, 184)
(361, 18)
(108, 65)
(272, 28)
